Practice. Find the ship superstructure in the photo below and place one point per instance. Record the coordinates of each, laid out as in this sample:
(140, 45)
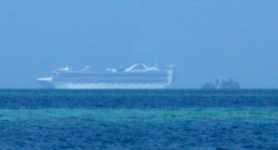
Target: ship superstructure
(137, 76)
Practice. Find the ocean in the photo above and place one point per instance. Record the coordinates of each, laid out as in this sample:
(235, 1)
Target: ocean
(138, 120)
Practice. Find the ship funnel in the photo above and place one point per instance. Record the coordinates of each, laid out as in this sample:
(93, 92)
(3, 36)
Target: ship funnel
(141, 68)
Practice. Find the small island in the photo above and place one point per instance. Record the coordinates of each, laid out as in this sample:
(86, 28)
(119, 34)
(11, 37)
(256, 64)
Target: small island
(222, 84)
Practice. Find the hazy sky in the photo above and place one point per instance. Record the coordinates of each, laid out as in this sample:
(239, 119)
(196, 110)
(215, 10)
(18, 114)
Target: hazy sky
(205, 39)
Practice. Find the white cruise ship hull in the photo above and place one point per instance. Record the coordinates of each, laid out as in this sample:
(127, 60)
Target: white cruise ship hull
(107, 86)
(138, 76)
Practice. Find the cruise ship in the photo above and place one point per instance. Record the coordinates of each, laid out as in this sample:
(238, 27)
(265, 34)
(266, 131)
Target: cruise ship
(137, 76)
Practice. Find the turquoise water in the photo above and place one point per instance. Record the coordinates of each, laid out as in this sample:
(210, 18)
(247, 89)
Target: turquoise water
(158, 119)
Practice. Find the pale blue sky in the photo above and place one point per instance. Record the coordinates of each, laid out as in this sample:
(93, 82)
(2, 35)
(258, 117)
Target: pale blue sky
(205, 39)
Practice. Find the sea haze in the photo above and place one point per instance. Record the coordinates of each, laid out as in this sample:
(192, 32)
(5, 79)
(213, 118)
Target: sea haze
(143, 119)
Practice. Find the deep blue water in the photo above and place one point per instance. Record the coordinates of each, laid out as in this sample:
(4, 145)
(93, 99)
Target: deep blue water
(77, 131)
(169, 99)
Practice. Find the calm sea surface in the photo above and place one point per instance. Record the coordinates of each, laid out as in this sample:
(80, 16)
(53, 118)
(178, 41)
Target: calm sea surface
(138, 120)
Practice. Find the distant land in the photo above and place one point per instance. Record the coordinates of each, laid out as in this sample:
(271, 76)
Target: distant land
(228, 84)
